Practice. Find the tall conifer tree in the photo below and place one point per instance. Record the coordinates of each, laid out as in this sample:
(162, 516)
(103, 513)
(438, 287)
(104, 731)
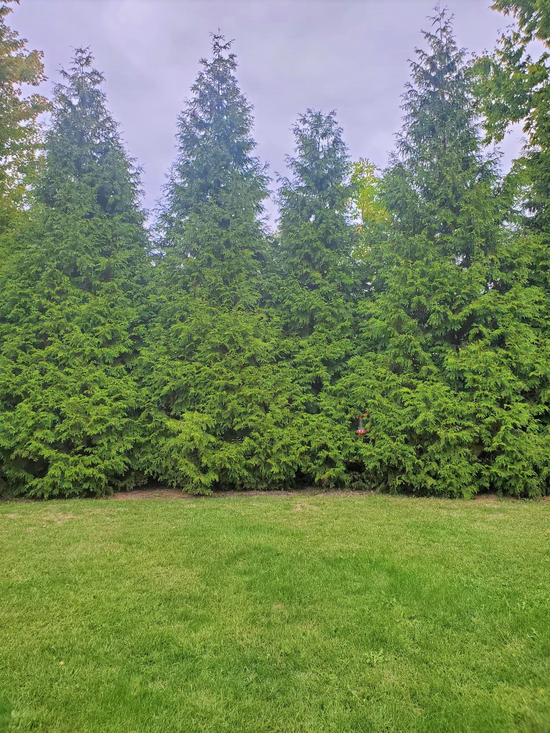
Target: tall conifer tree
(319, 283)
(217, 392)
(453, 359)
(69, 316)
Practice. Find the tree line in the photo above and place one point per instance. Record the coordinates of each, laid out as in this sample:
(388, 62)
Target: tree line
(209, 352)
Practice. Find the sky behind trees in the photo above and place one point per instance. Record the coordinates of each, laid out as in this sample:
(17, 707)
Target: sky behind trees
(348, 55)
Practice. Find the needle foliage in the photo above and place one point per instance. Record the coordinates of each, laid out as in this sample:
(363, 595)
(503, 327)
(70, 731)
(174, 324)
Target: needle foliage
(209, 352)
(69, 315)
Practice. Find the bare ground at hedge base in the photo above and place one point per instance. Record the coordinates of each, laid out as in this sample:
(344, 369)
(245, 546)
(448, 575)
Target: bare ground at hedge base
(161, 493)
(166, 493)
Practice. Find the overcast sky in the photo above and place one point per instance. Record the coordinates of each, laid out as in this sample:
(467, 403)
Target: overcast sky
(348, 55)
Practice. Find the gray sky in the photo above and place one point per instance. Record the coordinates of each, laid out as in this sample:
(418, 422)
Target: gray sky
(348, 55)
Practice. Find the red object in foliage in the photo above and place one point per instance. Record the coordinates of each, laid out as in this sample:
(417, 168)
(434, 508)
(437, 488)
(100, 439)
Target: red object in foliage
(361, 430)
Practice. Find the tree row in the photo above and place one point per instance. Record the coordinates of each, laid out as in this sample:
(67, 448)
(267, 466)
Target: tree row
(390, 334)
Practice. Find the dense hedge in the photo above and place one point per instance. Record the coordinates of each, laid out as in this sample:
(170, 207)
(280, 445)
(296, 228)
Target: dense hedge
(210, 353)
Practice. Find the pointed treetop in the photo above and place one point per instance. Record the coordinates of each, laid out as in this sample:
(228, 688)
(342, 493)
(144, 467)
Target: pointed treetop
(321, 158)
(215, 143)
(220, 45)
(81, 104)
(315, 233)
(212, 236)
(438, 99)
(84, 149)
(439, 159)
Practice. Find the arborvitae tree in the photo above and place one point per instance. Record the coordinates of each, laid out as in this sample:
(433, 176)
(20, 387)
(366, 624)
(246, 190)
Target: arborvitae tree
(217, 394)
(69, 317)
(19, 131)
(315, 235)
(453, 366)
(319, 283)
(217, 188)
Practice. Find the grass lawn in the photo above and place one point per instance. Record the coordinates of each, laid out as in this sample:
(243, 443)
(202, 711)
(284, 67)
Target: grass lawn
(309, 613)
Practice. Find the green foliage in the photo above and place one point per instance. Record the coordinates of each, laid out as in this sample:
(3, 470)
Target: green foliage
(453, 372)
(367, 205)
(320, 281)
(69, 317)
(236, 358)
(533, 15)
(215, 196)
(512, 87)
(367, 208)
(217, 390)
(19, 132)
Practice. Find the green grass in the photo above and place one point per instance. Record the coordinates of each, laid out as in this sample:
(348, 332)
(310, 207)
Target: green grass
(273, 613)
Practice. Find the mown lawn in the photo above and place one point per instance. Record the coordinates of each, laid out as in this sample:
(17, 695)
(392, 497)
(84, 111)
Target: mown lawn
(273, 613)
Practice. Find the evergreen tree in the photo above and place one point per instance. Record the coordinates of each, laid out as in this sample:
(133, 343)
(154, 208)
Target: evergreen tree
(315, 235)
(211, 219)
(216, 390)
(19, 132)
(453, 361)
(69, 316)
(319, 282)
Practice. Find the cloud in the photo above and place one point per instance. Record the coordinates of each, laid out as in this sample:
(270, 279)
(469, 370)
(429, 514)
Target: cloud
(351, 55)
